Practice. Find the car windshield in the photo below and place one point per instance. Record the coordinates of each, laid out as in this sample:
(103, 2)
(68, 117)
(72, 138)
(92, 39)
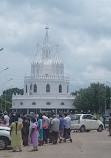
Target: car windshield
(75, 117)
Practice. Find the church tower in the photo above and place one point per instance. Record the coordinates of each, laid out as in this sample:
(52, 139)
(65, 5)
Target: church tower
(47, 88)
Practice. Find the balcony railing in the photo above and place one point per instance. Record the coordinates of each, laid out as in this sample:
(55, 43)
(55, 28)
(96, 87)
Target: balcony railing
(42, 77)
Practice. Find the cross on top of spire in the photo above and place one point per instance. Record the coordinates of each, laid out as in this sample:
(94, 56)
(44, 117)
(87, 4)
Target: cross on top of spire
(46, 27)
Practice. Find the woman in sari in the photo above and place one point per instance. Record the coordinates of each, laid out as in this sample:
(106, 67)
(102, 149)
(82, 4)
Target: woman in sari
(34, 134)
(40, 124)
(16, 137)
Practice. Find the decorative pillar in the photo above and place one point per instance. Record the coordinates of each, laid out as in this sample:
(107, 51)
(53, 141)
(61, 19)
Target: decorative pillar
(27, 111)
(56, 111)
(68, 110)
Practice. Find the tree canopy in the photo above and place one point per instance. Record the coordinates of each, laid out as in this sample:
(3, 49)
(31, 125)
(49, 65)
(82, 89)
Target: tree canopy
(6, 98)
(94, 98)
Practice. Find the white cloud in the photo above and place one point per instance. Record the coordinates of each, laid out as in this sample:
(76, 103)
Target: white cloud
(82, 28)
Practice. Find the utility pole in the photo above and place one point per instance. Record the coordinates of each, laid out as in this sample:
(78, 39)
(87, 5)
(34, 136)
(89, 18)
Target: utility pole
(5, 91)
(2, 84)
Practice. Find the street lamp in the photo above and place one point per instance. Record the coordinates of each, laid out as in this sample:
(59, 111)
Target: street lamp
(4, 69)
(1, 49)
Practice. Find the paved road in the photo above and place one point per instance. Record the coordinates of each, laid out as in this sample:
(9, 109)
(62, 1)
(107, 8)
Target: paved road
(84, 145)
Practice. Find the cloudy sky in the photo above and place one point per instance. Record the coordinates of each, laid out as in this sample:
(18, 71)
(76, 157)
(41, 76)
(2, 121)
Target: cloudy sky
(82, 28)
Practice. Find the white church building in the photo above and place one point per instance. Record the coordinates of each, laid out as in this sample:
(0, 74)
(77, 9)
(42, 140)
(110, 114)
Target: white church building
(47, 88)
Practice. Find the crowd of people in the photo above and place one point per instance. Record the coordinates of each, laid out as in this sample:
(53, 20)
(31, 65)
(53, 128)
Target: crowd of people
(36, 129)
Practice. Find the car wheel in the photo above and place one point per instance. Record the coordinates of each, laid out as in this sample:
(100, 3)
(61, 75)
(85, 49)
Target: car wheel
(3, 144)
(100, 128)
(82, 129)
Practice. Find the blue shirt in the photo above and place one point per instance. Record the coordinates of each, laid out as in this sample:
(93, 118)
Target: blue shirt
(67, 122)
(20, 119)
(61, 126)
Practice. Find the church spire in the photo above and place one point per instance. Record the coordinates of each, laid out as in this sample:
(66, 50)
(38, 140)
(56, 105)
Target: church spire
(37, 58)
(57, 59)
(46, 47)
(46, 37)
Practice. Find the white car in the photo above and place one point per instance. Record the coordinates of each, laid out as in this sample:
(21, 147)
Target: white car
(85, 122)
(5, 138)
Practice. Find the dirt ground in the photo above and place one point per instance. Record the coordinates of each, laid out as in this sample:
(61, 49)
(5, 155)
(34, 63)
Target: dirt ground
(90, 144)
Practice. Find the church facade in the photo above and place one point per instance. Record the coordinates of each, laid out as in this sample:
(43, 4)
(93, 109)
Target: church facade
(47, 88)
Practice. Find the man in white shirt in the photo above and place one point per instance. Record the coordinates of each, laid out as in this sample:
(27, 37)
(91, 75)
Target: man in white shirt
(6, 118)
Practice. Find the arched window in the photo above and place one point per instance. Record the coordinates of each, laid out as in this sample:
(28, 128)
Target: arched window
(48, 103)
(30, 87)
(21, 103)
(62, 103)
(60, 88)
(26, 89)
(33, 103)
(67, 89)
(47, 88)
(35, 88)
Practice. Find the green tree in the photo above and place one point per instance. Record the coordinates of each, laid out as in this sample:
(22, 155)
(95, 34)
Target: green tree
(94, 98)
(6, 98)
